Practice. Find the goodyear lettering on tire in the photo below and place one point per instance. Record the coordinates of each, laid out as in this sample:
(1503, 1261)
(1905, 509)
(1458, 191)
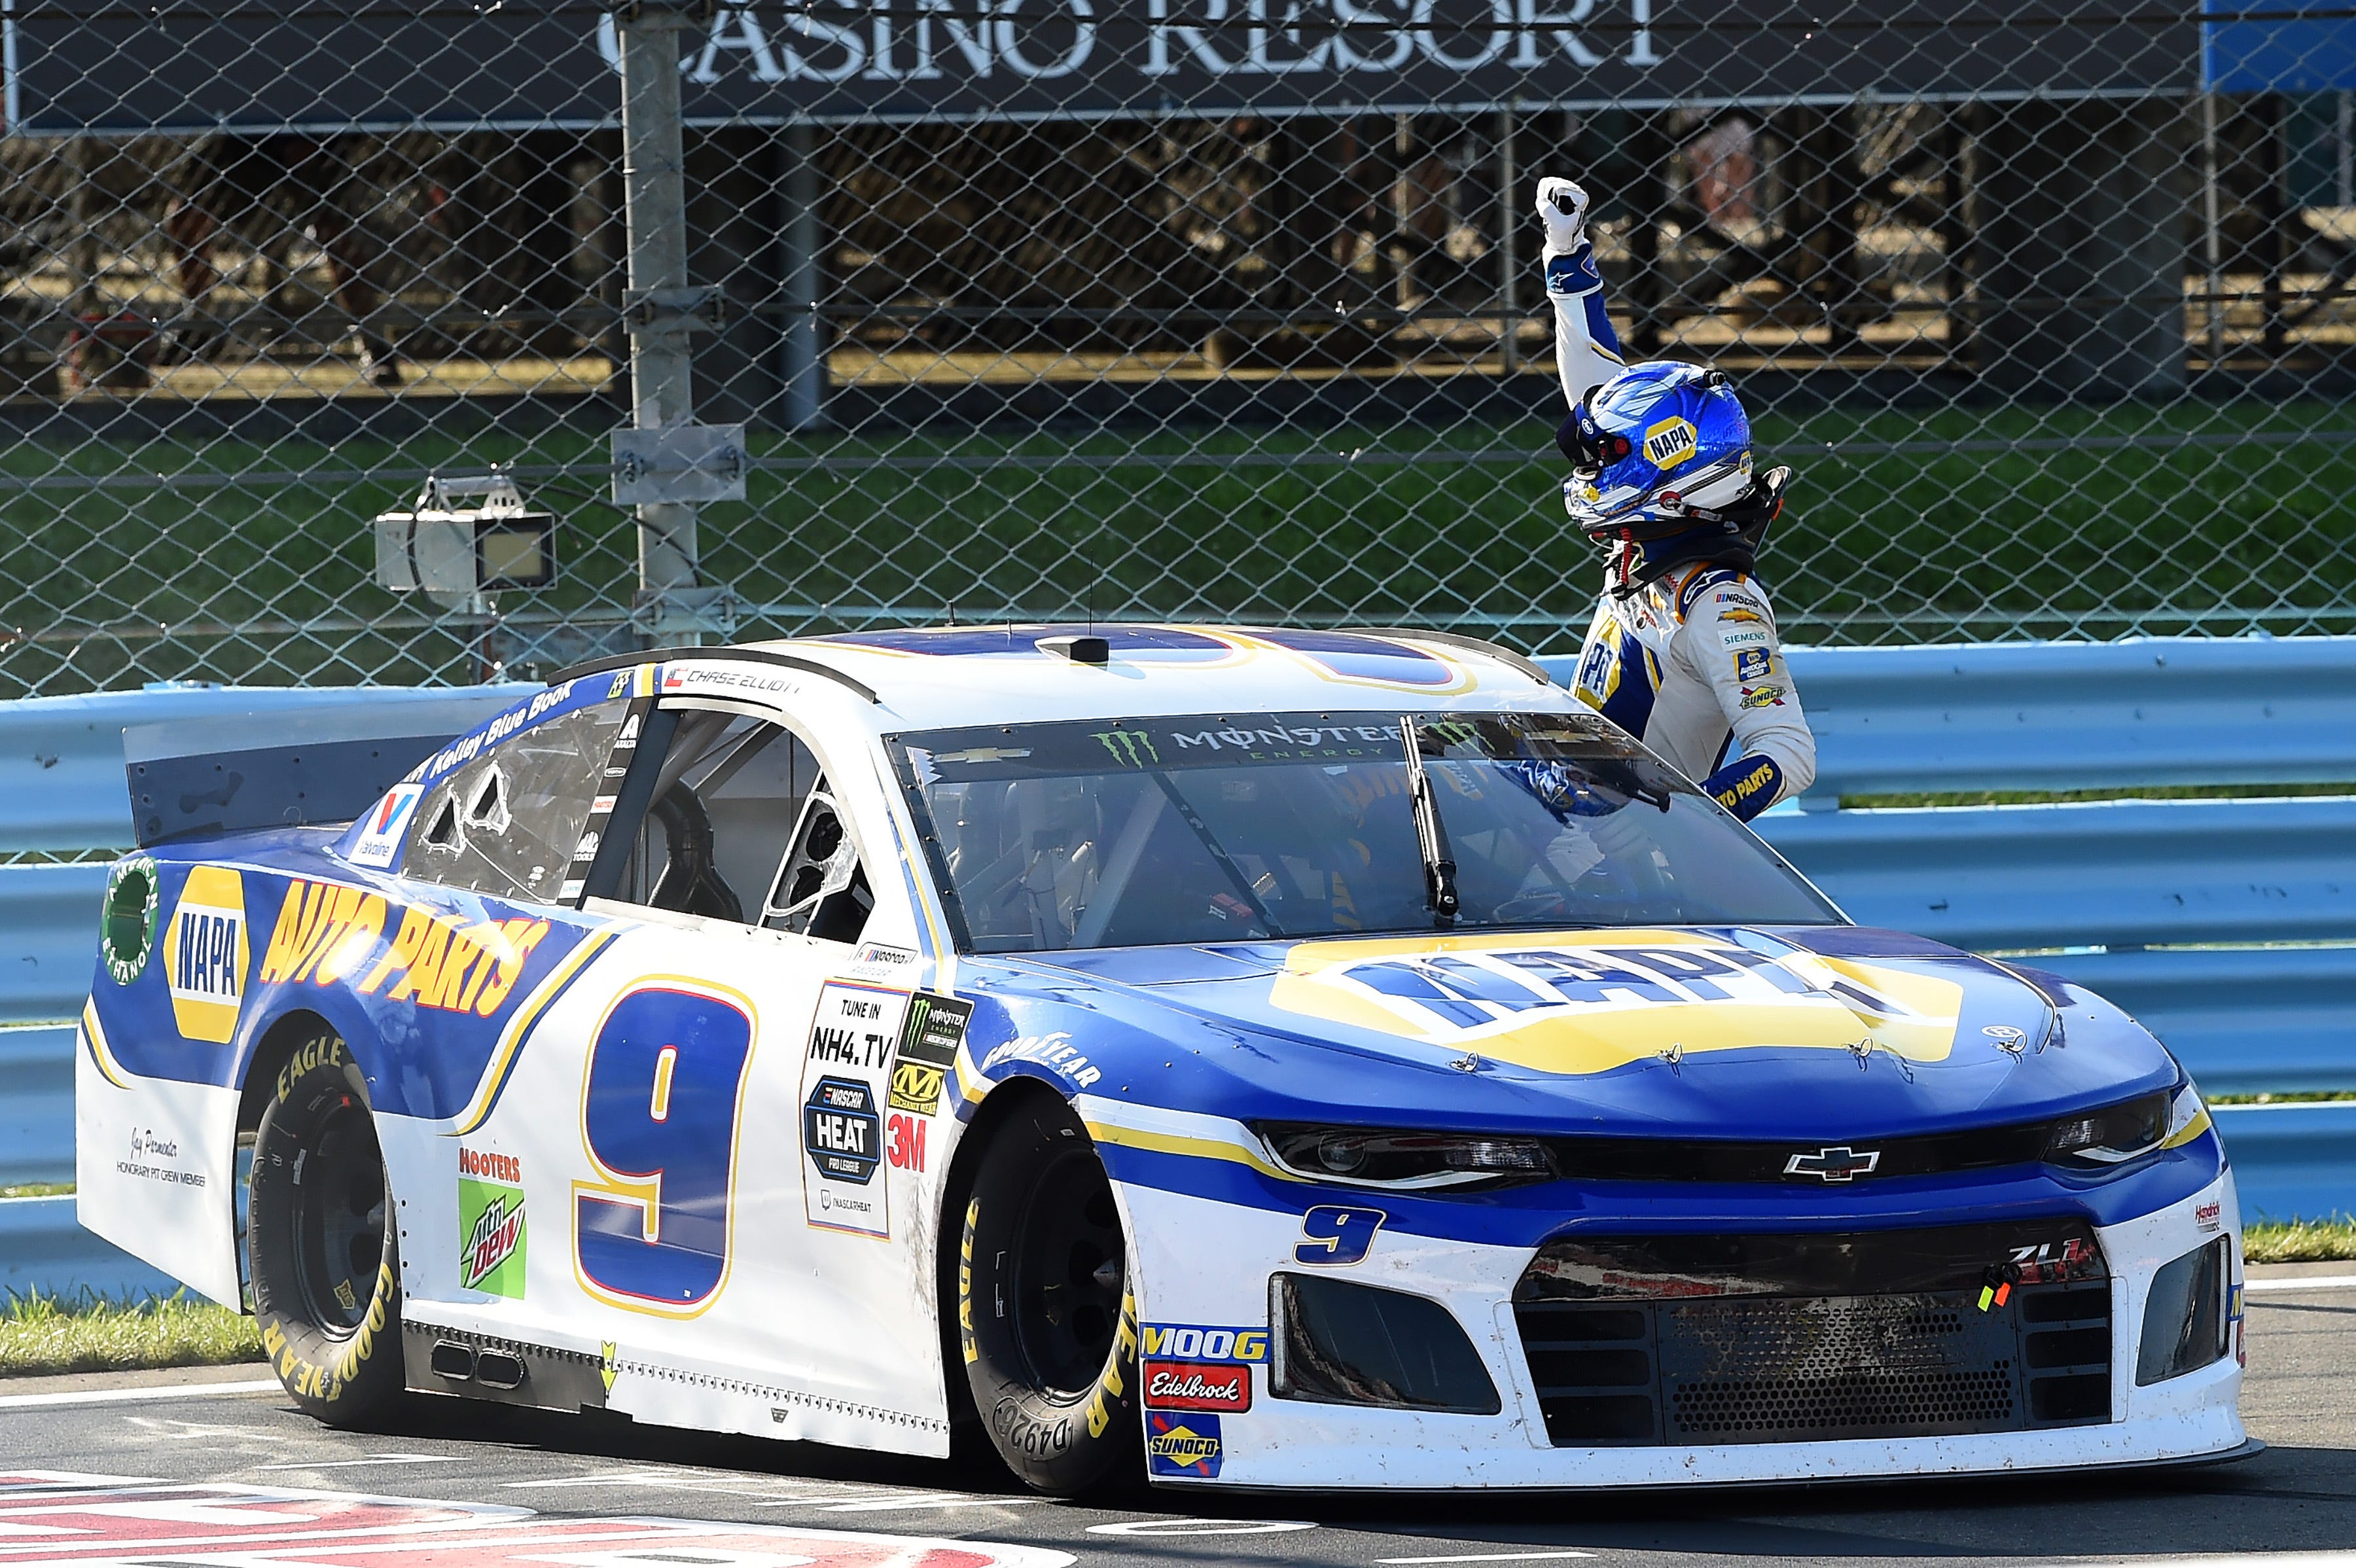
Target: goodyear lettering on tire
(1110, 1386)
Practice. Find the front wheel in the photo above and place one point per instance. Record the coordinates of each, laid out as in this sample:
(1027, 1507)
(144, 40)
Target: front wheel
(321, 1241)
(1047, 1318)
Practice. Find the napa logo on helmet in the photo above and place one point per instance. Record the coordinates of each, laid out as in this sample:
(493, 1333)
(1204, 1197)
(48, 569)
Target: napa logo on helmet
(1665, 437)
(1671, 442)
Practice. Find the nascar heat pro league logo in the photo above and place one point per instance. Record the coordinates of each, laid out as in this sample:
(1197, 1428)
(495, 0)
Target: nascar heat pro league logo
(205, 954)
(845, 1071)
(491, 1234)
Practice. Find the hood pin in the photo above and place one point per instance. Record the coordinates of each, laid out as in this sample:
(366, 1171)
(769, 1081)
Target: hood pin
(1467, 1062)
(2006, 1037)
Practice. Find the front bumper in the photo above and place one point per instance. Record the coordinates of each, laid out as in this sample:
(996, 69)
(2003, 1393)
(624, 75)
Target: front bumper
(1187, 1251)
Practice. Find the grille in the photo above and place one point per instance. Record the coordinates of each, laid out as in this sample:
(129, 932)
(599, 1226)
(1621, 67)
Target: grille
(1722, 1340)
(1928, 1153)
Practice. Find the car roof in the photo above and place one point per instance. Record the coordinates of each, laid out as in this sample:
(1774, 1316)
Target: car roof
(933, 677)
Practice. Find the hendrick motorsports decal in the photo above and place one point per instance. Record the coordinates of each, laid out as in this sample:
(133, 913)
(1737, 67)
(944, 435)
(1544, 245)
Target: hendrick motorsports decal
(1590, 1000)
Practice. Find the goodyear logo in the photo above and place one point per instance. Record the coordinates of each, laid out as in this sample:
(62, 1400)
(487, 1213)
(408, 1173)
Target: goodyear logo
(1585, 1001)
(206, 954)
(1670, 441)
(328, 933)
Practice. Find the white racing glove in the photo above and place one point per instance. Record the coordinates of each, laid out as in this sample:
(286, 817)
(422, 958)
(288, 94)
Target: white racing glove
(1562, 205)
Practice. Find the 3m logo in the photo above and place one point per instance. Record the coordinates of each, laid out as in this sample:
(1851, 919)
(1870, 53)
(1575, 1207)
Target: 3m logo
(205, 954)
(1670, 443)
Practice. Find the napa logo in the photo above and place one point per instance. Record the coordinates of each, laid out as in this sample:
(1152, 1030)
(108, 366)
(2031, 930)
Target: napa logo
(206, 954)
(1586, 1001)
(1670, 441)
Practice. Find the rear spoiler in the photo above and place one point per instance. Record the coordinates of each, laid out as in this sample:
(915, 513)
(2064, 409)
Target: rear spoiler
(311, 756)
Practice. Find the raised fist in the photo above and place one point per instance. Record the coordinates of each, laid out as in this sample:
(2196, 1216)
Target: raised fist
(1563, 206)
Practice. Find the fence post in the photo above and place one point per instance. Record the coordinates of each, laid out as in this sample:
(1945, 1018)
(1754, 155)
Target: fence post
(1509, 266)
(805, 366)
(671, 604)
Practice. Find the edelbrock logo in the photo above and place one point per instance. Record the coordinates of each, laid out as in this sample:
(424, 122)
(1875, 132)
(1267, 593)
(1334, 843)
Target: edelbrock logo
(1193, 1385)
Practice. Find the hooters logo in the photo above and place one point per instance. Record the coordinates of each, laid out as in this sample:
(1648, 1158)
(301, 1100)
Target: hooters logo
(1197, 1385)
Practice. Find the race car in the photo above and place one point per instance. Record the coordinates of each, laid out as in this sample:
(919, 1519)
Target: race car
(1248, 1057)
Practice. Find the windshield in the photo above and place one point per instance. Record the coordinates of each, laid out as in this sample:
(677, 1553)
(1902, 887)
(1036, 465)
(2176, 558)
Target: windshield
(1237, 827)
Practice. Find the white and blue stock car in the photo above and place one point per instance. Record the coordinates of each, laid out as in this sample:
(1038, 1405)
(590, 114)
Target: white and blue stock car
(1260, 1059)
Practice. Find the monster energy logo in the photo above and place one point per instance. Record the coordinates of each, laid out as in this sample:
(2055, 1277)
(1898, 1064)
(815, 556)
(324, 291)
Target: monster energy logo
(1451, 731)
(1130, 748)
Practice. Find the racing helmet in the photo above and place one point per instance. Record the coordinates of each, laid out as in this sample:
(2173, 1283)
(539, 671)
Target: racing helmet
(1657, 450)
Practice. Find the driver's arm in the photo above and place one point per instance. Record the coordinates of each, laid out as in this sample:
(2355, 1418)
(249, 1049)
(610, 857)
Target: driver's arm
(1586, 350)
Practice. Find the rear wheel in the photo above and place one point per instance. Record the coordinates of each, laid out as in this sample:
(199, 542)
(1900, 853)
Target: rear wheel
(320, 1241)
(1045, 1312)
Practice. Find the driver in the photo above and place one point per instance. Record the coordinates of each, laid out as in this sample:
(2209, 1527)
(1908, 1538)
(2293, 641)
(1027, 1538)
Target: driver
(1682, 652)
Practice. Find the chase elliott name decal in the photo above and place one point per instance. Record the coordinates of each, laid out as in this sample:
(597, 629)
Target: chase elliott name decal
(1591, 1001)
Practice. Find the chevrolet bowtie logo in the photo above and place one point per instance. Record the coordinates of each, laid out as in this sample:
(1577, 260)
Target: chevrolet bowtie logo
(1840, 1163)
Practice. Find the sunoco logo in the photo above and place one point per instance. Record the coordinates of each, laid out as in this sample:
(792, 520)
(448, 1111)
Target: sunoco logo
(1130, 748)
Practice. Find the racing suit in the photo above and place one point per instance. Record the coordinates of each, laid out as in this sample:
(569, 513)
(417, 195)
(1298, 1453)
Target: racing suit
(1687, 662)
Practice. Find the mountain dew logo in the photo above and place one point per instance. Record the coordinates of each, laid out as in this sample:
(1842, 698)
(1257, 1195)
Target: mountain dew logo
(491, 1258)
(1130, 748)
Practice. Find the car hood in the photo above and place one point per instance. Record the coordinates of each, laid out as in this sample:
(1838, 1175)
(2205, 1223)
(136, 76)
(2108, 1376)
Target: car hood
(1729, 1032)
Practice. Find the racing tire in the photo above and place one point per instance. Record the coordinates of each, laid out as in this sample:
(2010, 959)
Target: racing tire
(322, 1240)
(1046, 1316)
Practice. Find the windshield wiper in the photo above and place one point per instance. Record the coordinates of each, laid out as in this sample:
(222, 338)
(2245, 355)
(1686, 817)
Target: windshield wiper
(1430, 834)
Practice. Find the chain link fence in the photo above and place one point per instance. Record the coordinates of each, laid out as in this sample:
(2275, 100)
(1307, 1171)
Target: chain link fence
(1191, 309)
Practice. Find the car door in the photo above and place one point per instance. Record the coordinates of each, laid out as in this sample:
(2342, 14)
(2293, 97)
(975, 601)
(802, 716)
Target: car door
(713, 1096)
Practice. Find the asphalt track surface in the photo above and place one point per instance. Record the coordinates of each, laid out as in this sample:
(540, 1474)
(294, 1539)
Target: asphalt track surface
(168, 1470)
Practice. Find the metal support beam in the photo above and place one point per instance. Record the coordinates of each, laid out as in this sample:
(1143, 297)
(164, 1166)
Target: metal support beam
(673, 605)
(805, 342)
(1509, 265)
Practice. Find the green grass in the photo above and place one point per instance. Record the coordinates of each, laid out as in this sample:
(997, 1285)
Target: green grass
(2300, 1241)
(38, 1189)
(2059, 528)
(41, 1334)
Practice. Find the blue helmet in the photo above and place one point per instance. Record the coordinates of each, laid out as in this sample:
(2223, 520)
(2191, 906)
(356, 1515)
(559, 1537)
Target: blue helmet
(1657, 450)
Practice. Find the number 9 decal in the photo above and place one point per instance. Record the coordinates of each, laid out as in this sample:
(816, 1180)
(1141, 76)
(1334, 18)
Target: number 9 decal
(1337, 1235)
(659, 1115)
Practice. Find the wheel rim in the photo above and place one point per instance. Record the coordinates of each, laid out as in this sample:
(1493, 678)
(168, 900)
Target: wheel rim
(339, 1213)
(1069, 1273)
